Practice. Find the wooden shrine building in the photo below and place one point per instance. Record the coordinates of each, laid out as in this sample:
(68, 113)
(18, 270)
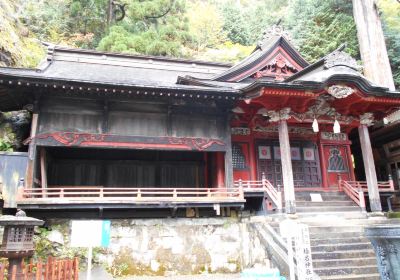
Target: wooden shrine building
(115, 131)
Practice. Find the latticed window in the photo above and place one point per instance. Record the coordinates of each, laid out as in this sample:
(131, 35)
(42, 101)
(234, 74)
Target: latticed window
(238, 158)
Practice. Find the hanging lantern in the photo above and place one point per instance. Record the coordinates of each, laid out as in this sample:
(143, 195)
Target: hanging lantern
(315, 125)
(336, 127)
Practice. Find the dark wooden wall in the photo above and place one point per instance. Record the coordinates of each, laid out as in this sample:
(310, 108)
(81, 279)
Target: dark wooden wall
(137, 118)
(124, 168)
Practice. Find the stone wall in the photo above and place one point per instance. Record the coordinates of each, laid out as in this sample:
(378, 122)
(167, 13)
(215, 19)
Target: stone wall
(179, 246)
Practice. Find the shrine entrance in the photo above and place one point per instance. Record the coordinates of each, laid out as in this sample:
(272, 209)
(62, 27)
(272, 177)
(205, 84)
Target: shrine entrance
(305, 163)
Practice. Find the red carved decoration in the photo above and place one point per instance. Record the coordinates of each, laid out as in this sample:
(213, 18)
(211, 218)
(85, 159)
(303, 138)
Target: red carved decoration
(138, 142)
(279, 68)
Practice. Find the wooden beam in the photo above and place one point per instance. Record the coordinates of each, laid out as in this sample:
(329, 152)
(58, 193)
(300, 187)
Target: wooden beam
(370, 172)
(287, 172)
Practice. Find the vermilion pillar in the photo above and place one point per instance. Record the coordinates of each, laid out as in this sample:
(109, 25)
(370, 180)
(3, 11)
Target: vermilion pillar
(369, 165)
(287, 172)
(220, 169)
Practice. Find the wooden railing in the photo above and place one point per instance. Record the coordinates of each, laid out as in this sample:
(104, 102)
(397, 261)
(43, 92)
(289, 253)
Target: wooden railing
(383, 186)
(53, 269)
(140, 195)
(263, 185)
(356, 194)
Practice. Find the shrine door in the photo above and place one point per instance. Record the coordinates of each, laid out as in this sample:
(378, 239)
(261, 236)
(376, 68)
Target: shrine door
(305, 163)
(337, 163)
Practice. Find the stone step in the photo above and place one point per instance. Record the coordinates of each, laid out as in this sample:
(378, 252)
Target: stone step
(341, 247)
(342, 235)
(374, 276)
(330, 203)
(324, 197)
(319, 209)
(304, 216)
(337, 229)
(334, 241)
(367, 261)
(329, 271)
(343, 254)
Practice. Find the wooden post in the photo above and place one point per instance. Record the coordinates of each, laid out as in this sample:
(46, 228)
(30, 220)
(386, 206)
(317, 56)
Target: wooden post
(30, 170)
(220, 169)
(370, 172)
(43, 170)
(228, 156)
(287, 172)
(372, 43)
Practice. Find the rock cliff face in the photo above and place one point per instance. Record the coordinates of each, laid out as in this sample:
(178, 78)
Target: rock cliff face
(18, 47)
(14, 129)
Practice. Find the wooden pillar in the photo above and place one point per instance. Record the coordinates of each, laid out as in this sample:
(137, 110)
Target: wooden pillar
(220, 169)
(228, 155)
(30, 170)
(370, 172)
(372, 43)
(324, 169)
(287, 172)
(43, 168)
(253, 159)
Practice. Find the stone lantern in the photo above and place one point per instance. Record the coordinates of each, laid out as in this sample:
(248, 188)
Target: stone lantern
(18, 237)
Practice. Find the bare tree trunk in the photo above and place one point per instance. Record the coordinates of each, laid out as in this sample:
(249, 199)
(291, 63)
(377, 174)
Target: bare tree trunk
(372, 43)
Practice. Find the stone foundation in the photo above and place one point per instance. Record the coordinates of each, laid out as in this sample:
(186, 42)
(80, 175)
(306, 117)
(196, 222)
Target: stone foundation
(180, 246)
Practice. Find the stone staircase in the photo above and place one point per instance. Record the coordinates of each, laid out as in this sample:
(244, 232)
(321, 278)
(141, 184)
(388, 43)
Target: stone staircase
(335, 202)
(339, 247)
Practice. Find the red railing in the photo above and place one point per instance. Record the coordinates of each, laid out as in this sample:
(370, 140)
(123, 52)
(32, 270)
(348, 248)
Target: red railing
(263, 185)
(383, 186)
(356, 194)
(92, 194)
(60, 269)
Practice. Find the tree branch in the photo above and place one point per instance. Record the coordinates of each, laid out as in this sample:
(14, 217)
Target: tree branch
(163, 14)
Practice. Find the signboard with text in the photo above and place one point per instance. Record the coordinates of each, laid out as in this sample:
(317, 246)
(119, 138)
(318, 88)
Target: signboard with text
(90, 233)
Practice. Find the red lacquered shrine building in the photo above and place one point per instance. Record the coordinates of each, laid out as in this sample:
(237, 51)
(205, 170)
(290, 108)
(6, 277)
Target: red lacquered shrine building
(293, 122)
(114, 131)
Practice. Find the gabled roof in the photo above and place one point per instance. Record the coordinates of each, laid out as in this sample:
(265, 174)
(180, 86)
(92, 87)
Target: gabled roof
(268, 53)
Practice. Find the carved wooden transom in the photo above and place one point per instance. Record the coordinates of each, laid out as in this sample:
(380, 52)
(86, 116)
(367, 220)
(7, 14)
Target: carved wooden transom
(279, 68)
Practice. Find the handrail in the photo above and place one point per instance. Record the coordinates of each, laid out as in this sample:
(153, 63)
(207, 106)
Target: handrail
(263, 185)
(275, 243)
(383, 186)
(357, 195)
(131, 194)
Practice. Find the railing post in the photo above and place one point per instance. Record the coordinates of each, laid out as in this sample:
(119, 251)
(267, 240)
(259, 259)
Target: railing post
(139, 194)
(101, 194)
(208, 192)
(61, 192)
(340, 182)
(174, 193)
(280, 203)
(241, 194)
(20, 190)
(391, 183)
(362, 199)
(263, 180)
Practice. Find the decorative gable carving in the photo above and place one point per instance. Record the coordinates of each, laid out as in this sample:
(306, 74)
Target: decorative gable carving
(278, 68)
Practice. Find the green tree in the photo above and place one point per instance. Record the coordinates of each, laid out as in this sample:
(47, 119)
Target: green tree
(206, 29)
(320, 26)
(79, 23)
(391, 26)
(157, 27)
